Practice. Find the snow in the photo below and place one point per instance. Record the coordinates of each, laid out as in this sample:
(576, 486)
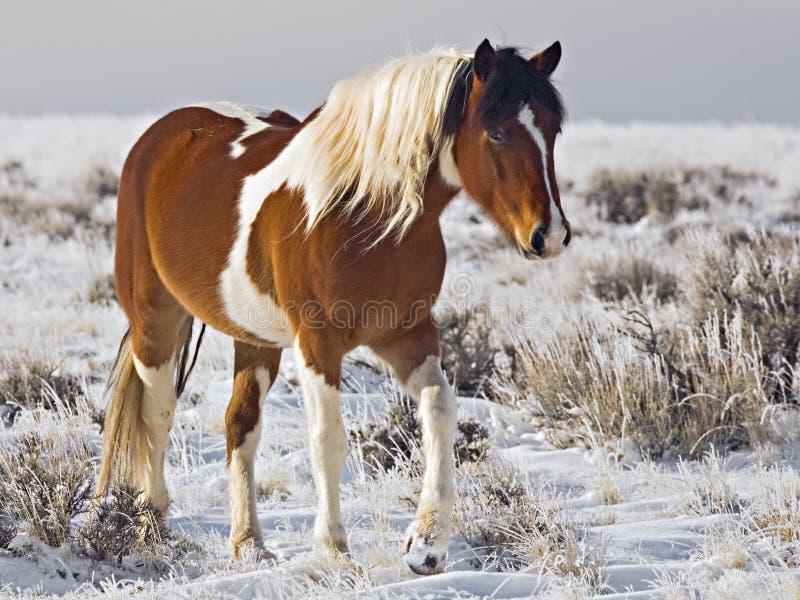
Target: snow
(658, 537)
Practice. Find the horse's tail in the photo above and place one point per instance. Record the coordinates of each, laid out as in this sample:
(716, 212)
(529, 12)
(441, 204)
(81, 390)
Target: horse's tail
(125, 445)
(124, 439)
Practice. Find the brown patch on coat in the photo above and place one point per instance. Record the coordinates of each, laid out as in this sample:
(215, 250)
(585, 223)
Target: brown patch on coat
(244, 409)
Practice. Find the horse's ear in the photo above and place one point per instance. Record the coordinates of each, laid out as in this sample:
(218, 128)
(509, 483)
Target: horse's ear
(485, 58)
(547, 60)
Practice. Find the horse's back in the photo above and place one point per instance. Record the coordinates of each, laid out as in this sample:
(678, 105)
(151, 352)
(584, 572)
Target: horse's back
(177, 207)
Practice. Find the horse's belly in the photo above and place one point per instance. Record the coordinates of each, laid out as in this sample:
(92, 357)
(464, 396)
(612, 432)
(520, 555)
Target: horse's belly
(251, 310)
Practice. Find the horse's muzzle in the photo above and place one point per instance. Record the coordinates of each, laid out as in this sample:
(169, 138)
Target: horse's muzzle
(546, 242)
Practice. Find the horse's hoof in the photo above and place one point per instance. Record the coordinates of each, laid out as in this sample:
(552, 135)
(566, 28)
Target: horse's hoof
(424, 562)
(262, 554)
(344, 561)
(334, 546)
(251, 549)
(426, 545)
(425, 555)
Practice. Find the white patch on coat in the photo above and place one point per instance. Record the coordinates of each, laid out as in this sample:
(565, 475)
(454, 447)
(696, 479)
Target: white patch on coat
(247, 114)
(328, 448)
(158, 411)
(447, 164)
(558, 231)
(244, 304)
(242, 491)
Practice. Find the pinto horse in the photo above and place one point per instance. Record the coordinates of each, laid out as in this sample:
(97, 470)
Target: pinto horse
(266, 228)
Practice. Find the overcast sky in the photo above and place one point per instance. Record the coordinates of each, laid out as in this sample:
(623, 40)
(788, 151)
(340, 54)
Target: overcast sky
(623, 60)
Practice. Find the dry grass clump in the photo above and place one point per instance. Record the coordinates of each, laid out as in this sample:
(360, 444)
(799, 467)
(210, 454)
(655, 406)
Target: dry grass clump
(632, 276)
(508, 529)
(46, 488)
(729, 548)
(8, 530)
(759, 279)
(45, 483)
(31, 382)
(711, 490)
(775, 510)
(608, 488)
(684, 391)
(123, 523)
(629, 196)
(397, 441)
(767, 511)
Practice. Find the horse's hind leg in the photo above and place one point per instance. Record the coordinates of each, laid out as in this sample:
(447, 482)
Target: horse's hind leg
(142, 401)
(255, 369)
(155, 352)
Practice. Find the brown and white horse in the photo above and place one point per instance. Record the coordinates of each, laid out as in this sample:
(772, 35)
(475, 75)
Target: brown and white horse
(283, 233)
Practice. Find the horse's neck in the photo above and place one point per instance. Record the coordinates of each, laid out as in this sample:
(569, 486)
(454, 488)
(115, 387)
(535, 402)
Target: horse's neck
(440, 189)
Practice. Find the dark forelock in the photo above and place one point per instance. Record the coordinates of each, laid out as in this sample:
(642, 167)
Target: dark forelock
(512, 82)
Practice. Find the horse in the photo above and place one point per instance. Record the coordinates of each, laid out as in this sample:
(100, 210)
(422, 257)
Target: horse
(284, 233)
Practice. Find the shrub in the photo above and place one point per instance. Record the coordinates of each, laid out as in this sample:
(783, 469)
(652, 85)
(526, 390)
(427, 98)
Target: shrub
(468, 355)
(472, 442)
(636, 277)
(628, 196)
(508, 528)
(758, 278)
(13, 176)
(102, 290)
(123, 523)
(387, 445)
(100, 182)
(397, 441)
(44, 485)
(512, 530)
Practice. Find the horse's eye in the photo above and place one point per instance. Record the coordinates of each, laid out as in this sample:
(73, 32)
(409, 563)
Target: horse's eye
(498, 137)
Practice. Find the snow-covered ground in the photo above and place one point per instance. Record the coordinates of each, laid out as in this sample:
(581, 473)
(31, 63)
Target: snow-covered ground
(629, 526)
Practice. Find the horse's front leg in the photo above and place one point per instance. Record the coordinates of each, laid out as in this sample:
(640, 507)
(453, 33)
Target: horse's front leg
(319, 369)
(415, 359)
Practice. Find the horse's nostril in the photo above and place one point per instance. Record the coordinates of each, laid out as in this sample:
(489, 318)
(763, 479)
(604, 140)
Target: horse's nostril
(568, 237)
(537, 239)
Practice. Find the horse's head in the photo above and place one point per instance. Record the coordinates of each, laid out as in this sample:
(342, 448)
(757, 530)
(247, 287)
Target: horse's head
(504, 147)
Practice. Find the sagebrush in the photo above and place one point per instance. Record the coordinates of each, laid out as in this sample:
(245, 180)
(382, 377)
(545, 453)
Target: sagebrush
(45, 483)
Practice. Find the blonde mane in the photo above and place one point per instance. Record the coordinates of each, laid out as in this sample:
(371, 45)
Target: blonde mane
(372, 143)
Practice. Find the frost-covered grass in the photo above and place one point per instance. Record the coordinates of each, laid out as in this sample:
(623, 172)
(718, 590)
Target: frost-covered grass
(638, 393)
